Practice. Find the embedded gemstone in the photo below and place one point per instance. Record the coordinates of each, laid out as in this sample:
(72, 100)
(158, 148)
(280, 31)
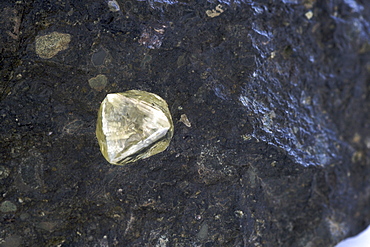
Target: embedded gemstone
(133, 125)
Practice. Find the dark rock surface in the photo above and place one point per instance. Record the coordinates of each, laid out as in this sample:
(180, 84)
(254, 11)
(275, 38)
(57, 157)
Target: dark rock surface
(277, 94)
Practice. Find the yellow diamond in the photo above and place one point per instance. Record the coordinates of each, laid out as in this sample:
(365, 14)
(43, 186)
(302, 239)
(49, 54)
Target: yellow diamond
(133, 125)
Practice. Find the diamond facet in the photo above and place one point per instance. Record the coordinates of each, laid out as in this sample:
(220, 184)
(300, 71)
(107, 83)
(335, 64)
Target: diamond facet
(133, 125)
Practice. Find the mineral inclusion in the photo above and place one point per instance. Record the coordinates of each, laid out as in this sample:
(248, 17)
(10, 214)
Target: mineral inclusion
(133, 125)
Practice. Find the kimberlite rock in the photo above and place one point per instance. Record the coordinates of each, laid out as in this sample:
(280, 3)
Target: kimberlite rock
(133, 125)
(270, 102)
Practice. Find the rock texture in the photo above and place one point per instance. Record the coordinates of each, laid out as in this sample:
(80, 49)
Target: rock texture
(270, 102)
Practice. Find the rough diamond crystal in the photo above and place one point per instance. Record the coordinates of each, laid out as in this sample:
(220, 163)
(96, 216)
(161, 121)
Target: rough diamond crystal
(133, 125)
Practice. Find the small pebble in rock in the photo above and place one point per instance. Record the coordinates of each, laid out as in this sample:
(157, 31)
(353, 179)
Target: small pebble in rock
(7, 206)
(98, 82)
(47, 46)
